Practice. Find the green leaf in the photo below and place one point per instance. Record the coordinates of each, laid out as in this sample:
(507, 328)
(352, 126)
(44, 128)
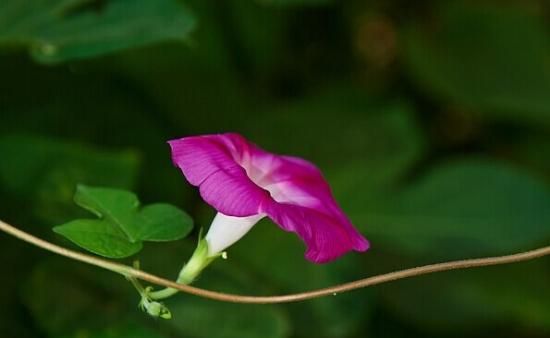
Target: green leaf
(60, 30)
(492, 58)
(460, 209)
(163, 223)
(116, 206)
(99, 237)
(122, 226)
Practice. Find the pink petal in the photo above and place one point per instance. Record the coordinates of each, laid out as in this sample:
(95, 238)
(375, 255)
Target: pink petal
(240, 179)
(326, 237)
(209, 163)
(304, 204)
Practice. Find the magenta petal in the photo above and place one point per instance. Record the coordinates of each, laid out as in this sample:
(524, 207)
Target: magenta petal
(240, 179)
(306, 206)
(208, 162)
(326, 238)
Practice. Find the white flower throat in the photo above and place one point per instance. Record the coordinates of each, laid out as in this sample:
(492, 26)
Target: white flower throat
(226, 230)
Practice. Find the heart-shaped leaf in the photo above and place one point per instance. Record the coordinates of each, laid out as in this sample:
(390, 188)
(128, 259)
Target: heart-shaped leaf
(161, 222)
(99, 237)
(122, 225)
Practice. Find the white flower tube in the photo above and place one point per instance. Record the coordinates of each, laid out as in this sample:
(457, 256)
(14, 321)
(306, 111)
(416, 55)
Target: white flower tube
(226, 230)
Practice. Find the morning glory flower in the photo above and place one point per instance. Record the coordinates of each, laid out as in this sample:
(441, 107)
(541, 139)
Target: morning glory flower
(245, 184)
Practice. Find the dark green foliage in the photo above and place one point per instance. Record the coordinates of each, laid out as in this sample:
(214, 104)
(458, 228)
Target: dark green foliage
(61, 30)
(461, 209)
(47, 171)
(487, 57)
(429, 119)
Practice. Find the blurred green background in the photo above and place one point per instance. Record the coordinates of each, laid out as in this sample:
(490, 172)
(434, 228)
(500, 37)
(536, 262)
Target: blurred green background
(430, 120)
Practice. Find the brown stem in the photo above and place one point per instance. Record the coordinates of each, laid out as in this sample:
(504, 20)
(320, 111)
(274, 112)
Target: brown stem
(233, 298)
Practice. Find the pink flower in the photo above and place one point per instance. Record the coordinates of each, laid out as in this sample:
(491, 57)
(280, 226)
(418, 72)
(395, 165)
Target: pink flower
(245, 183)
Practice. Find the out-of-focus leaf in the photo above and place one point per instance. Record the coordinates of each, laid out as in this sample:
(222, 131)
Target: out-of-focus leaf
(297, 3)
(12, 323)
(96, 110)
(199, 317)
(184, 82)
(129, 329)
(465, 300)
(460, 209)
(99, 303)
(262, 34)
(122, 226)
(382, 137)
(60, 30)
(530, 150)
(46, 171)
(70, 299)
(28, 160)
(490, 58)
(277, 256)
(203, 318)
